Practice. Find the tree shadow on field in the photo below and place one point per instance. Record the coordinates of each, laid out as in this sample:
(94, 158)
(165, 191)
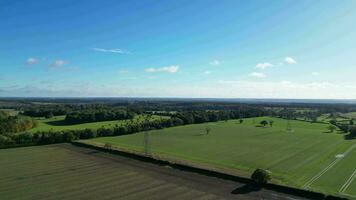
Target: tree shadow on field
(260, 126)
(57, 123)
(349, 137)
(247, 188)
(200, 134)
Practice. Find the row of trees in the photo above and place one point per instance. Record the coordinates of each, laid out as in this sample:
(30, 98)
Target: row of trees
(94, 115)
(195, 117)
(50, 137)
(46, 111)
(346, 126)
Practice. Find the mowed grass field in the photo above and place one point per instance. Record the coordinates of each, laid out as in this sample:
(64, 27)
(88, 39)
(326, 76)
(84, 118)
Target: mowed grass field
(309, 157)
(57, 123)
(351, 115)
(67, 172)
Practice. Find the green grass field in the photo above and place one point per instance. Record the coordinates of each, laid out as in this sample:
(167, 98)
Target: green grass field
(57, 124)
(351, 115)
(301, 158)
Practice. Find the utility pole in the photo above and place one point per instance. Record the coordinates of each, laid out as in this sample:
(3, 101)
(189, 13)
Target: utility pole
(145, 138)
(289, 127)
(146, 142)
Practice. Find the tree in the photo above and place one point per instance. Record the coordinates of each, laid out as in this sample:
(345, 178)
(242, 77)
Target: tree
(49, 115)
(261, 176)
(331, 128)
(353, 132)
(333, 122)
(207, 130)
(241, 121)
(271, 122)
(263, 123)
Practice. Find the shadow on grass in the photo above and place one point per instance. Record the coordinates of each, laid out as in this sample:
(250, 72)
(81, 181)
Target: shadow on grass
(260, 126)
(349, 137)
(247, 188)
(57, 123)
(200, 134)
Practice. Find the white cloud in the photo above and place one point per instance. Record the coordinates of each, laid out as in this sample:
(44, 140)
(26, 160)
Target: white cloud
(220, 89)
(120, 51)
(168, 69)
(57, 63)
(60, 65)
(286, 82)
(207, 72)
(263, 65)
(257, 75)
(287, 89)
(31, 61)
(315, 73)
(215, 62)
(290, 60)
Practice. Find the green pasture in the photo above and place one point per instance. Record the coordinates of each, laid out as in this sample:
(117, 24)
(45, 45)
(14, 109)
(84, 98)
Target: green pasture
(294, 157)
(351, 115)
(58, 124)
(11, 112)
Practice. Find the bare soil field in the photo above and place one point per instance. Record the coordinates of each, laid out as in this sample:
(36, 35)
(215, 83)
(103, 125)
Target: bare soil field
(65, 171)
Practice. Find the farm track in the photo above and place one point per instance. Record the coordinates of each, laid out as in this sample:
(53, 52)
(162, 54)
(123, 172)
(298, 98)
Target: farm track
(80, 173)
(327, 168)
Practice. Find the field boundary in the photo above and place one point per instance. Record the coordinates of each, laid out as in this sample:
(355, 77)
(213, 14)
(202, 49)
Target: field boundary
(209, 172)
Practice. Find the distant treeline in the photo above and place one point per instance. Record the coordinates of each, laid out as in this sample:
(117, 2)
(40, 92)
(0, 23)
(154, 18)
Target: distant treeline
(13, 124)
(49, 110)
(97, 115)
(43, 107)
(195, 105)
(46, 112)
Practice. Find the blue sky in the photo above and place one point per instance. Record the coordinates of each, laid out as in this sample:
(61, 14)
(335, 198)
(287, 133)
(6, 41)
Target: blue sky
(202, 48)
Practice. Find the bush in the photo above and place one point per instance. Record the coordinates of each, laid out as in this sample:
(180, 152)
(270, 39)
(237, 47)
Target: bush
(6, 141)
(68, 136)
(261, 176)
(353, 132)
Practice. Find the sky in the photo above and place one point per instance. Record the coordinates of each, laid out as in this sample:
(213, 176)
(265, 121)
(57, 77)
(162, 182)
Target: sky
(303, 49)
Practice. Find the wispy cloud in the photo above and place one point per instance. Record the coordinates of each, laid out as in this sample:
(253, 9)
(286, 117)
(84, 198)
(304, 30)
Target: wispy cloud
(57, 64)
(31, 61)
(290, 60)
(123, 71)
(215, 63)
(119, 51)
(167, 69)
(263, 65)
(315, 73)
(257, 74)
(61, 65)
